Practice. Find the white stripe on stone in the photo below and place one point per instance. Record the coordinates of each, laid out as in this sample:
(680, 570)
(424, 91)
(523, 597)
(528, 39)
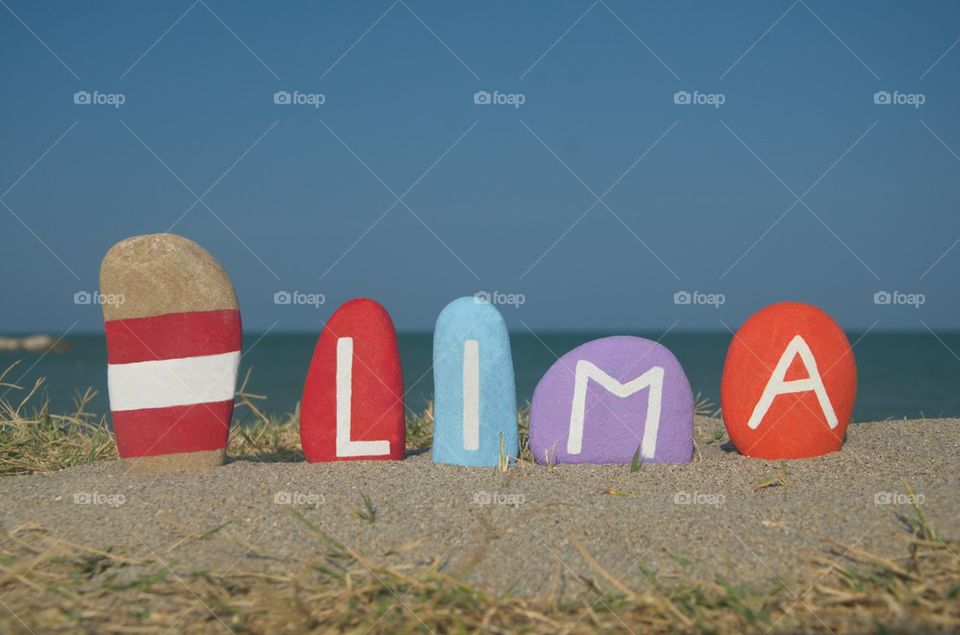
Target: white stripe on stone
(172, 382)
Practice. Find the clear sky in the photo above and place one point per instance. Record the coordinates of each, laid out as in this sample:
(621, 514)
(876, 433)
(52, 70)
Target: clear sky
(589, 193)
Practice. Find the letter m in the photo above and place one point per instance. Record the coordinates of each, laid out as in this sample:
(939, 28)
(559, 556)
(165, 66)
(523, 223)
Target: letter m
(586, 371)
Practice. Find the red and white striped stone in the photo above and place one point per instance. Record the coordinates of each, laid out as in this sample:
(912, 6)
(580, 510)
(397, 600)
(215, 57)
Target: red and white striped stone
(173, 350)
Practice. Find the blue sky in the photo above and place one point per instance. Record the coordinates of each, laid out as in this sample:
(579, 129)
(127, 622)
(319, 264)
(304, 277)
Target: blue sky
(596, 201)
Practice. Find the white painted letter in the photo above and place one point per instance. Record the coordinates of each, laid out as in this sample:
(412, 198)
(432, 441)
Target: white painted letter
(345, 446)
(471, 395)
(777, 386)
(587, 371)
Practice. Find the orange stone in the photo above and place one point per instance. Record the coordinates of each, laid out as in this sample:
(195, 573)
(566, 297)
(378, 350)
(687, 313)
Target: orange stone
(789, 383)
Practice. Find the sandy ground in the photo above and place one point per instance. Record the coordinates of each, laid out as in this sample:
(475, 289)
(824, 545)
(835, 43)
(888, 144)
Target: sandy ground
(524, 530)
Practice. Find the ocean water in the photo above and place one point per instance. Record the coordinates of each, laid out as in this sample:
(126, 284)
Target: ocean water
(900, 374)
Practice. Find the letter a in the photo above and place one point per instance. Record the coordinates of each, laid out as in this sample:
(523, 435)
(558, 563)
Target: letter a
(346, 446)
(779, 386)
(586, 371)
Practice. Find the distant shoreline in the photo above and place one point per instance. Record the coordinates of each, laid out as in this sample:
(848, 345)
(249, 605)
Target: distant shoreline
(36, 343)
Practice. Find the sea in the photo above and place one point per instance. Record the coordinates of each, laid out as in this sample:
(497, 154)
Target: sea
(900, 375)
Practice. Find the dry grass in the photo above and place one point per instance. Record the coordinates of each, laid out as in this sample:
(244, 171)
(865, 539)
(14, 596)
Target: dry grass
(49, 584)
(34, 440)
(52, 585)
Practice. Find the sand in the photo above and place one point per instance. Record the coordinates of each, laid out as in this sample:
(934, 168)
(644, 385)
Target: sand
(526, 530)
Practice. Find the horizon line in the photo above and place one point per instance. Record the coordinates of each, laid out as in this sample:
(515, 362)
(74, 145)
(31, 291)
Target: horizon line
(545, 331)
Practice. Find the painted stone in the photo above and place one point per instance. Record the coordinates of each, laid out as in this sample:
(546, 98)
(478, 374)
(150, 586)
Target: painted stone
(789, 383)
(475, 398)
(605, 399)
(352, 405)
(173, 348)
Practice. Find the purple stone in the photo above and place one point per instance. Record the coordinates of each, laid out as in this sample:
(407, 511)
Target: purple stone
(603, 400)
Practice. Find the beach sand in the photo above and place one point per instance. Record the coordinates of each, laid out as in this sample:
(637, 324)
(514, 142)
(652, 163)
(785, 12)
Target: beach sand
(532, 530)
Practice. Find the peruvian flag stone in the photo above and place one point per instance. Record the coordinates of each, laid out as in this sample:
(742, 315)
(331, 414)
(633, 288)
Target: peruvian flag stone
(173, 348)
(789, 383)
(607, 400)
(353, 405)
(475, 412)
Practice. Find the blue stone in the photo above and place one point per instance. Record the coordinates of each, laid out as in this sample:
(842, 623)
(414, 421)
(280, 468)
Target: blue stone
(475, 397)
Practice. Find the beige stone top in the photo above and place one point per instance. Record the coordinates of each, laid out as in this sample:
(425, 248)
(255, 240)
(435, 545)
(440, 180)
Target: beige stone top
(158, 274)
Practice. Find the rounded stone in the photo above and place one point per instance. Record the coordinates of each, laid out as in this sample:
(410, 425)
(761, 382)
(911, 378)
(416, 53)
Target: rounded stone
(789, 383)
(353, 407)
(607, 400)
(173, 336)
(475, 397)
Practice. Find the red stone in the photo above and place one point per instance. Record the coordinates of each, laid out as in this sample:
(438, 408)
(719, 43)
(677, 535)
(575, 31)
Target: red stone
(360, 336)
(793, 425)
